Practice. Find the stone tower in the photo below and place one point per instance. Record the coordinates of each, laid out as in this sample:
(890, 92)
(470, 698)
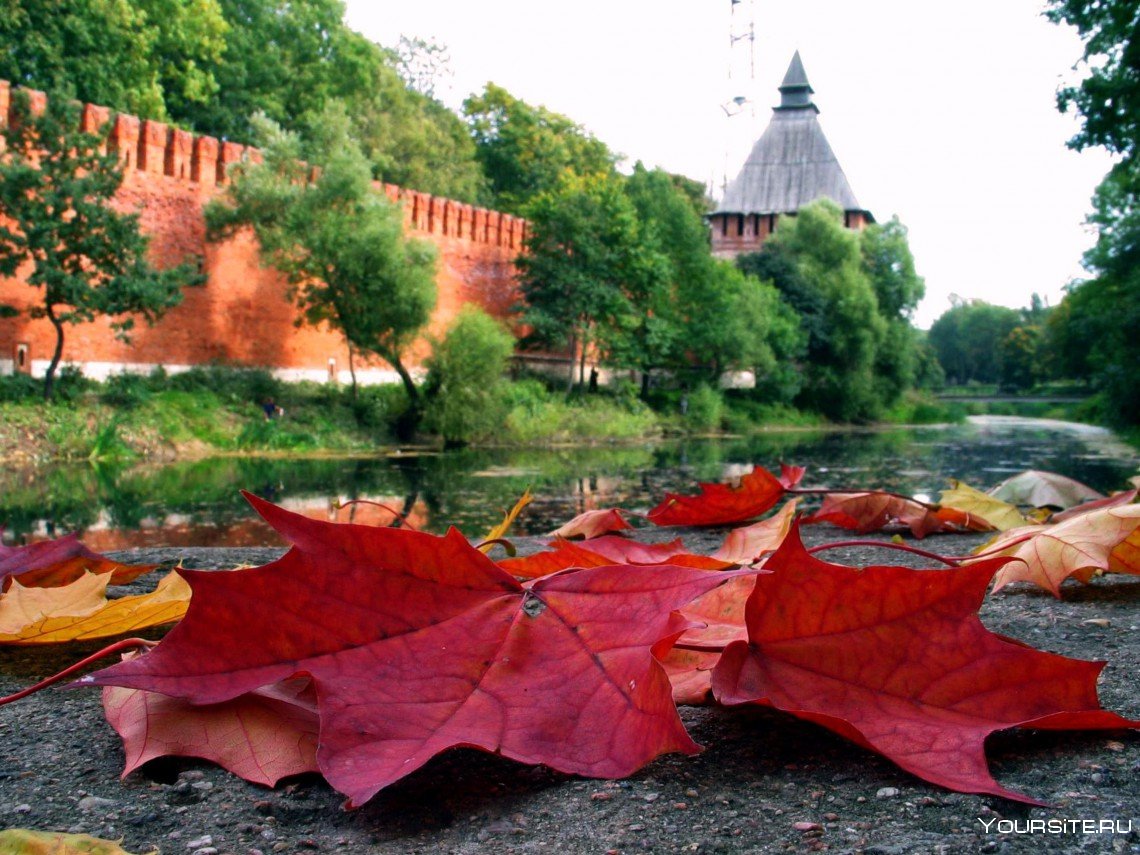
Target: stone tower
(791, 165)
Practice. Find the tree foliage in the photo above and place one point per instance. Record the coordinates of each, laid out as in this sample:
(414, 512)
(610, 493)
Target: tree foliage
(153, 58)
(56, 219)
(525, 151)
(338, 240)
(465, 374)
(1094, 329)
(967, 339)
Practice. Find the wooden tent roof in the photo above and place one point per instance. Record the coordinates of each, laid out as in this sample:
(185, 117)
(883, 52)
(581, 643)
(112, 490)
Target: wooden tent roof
(792, 163)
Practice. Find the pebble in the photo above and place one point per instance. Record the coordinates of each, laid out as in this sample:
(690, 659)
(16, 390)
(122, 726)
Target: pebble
(600, 796)
(652, 797)
(205, 850)
(199, 842)
(24, 808)
(1102, 622)
(807, 826)
(90, 803)
(887, 793)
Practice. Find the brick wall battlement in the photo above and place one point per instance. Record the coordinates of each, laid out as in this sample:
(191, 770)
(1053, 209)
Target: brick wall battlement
(243, 316)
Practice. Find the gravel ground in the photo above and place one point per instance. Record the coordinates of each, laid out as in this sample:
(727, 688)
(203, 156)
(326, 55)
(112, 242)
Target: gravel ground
(765, 783)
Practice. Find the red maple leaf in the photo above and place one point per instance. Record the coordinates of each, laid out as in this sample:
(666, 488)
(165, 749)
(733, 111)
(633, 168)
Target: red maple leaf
(600, 551)
(54, 563)
(417, 644)
(593, 524)
(897, 660)
(873, 511)
(723, 504)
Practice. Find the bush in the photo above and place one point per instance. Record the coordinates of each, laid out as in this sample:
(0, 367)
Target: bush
(231, 384)
(465, 374)
(705, 409)
(126, 390)
(19, 387)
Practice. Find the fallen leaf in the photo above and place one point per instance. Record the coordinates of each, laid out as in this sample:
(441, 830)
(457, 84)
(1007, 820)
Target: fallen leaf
(52, 563)
(875, 511)
(690, 674)
(509, 518)
(600, 551)
(262, 736)
(1000, 515)
(790, 476)
(897, 660)
(747, 545)
(593, 524)
(1037, 489)
(1124, 497)
(721, 504)
(417, 644)
(1077, 547)
(81, 610)
(21, 841)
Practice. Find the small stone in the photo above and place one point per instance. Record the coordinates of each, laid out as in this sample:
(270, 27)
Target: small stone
(637, 826)
(831, 817)
(652, 797)
(280, 846)
(807, 826)
(24, 808)
(600, 796)
(1113, 745)
(1097, 621)
(90, 803)
(691, 793)
(199, 842)
(202, 785)
(887, 793)
(206, 850)
(680, 806)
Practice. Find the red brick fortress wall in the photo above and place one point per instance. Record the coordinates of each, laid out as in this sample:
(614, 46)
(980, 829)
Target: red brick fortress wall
(241, 316)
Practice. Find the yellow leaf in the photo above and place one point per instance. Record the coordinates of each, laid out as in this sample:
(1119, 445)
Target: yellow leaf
(82, 611)
(508, 520)
(1001, 515)
(21, 841)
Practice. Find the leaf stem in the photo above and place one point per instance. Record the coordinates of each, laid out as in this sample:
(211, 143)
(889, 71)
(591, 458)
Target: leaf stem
(397, 514)
(1017, 541)
(122, 644)
(826, 492)
(901, 547)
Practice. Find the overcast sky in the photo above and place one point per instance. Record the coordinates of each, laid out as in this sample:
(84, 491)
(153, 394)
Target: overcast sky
(941, 113)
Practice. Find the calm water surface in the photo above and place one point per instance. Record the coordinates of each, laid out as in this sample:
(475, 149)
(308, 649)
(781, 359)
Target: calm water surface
(199, 503)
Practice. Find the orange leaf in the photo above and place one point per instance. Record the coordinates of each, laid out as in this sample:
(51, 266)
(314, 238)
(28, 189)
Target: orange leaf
(1080, 545)
(874, 511)
(1000, 515)
(508, 520)
(594, 524)
(262, 736)
(52, 563)
(748, 544)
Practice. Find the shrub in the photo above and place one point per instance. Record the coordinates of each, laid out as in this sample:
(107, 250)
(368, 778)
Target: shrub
(465, 373)
(19, 387)
(705, 410)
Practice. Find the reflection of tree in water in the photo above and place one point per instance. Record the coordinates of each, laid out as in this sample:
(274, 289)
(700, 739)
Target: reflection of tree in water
(471, 489)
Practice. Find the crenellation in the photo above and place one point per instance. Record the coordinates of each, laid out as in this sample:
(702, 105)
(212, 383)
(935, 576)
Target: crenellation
(204, 161)
(229, 154)
(152, 146)
(179, 152)
(124, 139)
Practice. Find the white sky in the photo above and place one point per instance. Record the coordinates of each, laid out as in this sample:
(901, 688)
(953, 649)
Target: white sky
(941, 113)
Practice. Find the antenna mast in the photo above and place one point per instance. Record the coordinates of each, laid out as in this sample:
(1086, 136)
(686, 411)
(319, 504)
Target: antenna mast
(741, 72)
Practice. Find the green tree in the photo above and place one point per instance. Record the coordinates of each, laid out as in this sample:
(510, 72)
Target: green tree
(152, 58)
(967, 340)
(1094, 329)
(339, 241)
(56, 221)
(839, 377)
(525, 151)
(584, 260)
(1020, 359)
(465, 378)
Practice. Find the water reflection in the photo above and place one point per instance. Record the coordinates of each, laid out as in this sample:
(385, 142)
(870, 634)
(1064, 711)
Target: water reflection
(199, 503)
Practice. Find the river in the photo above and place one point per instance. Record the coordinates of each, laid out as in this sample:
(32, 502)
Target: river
(199, 503)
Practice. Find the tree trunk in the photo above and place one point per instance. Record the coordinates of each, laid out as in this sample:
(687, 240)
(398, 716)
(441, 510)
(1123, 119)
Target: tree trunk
(582, 366)
(351, 370)
(407, 423)
(644, 385)
(49, 377)
(571, 359)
